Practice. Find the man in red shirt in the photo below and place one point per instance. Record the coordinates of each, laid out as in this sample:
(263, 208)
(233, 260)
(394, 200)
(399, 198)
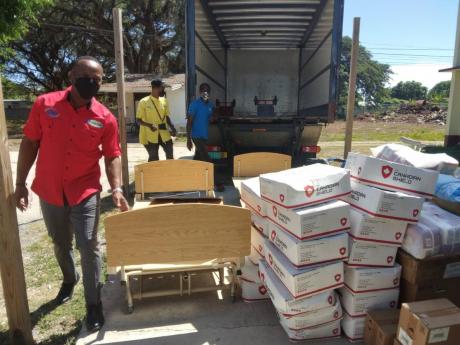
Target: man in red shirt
(70, 131)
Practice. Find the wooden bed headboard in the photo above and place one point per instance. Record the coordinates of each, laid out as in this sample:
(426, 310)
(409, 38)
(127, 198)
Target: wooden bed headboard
(177, 233)
(256, 163)
(175, 175)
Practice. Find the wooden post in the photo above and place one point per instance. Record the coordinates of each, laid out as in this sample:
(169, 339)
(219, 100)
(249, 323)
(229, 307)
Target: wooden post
(11, 265)
(352, 87)
(121, 97)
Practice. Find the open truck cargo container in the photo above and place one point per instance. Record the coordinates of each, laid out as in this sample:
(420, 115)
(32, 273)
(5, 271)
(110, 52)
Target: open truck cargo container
(273, 68)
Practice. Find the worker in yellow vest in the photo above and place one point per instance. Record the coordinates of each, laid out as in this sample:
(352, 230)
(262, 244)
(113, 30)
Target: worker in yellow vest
(156, 127)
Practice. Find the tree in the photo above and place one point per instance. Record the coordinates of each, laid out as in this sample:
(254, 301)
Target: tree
(153, 40)
(409, 90)
(15, 17)
(371, 79)
(441, 90)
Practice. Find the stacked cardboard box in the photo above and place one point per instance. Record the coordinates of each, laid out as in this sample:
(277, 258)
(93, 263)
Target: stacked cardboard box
(307, 243)
(432, 277)
(381, 326)
(251, 287)
(385, 198)
(435, 321)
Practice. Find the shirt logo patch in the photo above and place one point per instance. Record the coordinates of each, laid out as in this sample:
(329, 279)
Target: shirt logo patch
(95, 123)
(51, 112)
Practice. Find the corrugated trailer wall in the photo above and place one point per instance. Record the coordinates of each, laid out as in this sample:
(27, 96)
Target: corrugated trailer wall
(209, 56)
(315, 66)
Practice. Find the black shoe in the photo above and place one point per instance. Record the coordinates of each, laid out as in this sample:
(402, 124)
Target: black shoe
(93, 317)
(66, 292)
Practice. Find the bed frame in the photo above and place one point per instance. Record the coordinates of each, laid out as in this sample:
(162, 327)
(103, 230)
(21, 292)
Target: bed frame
(177, 238)
(256, 163)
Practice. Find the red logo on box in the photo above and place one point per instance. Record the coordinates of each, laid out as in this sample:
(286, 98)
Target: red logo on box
(343, 221)
(392, 304)
(309, 190)
(275, 211)
(386, 171)
(398, 235)
(390, 259)
(335, 331)
(330, 300)
(338, 277)
(270, 258)
(395, 281)
(260, 248)
(273, 235)
(262, 276)
(262, 290)
(343, 250)
(259, 208)
(415, 212)
(336, 315)
(282, 197)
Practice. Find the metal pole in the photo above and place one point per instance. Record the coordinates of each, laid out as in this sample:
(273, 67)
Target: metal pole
(352, 87)
(121, 96)
(11, 265)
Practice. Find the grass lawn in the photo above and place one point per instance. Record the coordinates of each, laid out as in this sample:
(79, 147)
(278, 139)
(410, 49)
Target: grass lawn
(382, 131)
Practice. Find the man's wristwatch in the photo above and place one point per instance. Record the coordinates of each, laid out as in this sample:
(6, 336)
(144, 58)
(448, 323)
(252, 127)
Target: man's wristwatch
(118, 189)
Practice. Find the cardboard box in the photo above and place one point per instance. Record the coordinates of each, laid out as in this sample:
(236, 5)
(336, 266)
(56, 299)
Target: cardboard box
(305, 186)
(304, 282)
(353, 327)
(257, 246)
(430, 269)
(365, 227)
(381, 327)
(365, 279)
(440, 288)
(368, 254)
(312, 222)
(302, 254)
(252, 289)
(391, 176)
(284, 302)
(384, 204)
(260, 223)
(435, 321)
(312, 318)
(357, 304)
(329, 330)
(250, 195)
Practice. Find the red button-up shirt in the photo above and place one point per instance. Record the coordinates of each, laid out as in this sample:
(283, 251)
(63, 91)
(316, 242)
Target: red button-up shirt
(71, 145)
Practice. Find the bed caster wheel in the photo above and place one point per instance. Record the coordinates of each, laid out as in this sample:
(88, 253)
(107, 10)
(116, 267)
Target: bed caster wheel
(130, 310)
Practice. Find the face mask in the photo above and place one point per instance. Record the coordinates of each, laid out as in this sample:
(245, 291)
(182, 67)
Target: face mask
(87, 87)
(205, 96)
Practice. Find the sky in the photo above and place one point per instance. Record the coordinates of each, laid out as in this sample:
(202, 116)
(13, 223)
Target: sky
(415, 37)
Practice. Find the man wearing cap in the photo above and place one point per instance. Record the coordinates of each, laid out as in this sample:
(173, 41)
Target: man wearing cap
(156, 127)
(70, 131)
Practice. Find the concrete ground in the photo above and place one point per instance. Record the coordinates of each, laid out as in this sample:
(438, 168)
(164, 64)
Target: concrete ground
(199, 319)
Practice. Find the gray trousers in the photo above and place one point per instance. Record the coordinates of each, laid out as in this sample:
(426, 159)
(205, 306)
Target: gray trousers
(82, 220)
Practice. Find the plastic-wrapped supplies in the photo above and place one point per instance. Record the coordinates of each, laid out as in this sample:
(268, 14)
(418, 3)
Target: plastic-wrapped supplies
(405, 155)
(437, 232)
(448, 188)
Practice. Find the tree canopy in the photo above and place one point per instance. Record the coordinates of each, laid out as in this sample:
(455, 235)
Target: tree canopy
(16, 15)
(440, 90)
(372, 76)
(409, 90)
(153, 40)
